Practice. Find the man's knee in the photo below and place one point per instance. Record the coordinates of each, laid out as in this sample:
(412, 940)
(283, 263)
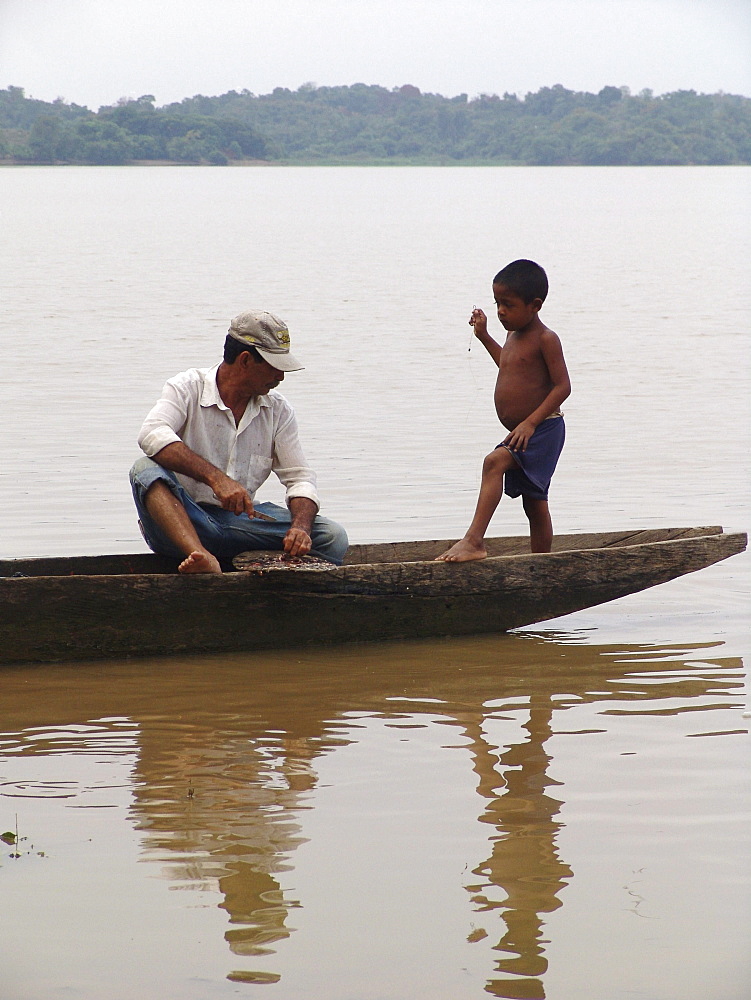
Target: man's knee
(329, 539)
(144, 473)
(139, 468)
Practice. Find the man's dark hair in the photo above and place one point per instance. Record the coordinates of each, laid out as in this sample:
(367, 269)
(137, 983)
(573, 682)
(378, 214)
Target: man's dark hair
(525, 279)
(234, 348)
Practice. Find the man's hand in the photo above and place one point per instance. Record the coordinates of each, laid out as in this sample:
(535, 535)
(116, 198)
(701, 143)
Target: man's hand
(231, 495)
(297, 541)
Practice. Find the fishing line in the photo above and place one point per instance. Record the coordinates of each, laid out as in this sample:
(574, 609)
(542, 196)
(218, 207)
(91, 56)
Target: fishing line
(472, 334)
(472, 374)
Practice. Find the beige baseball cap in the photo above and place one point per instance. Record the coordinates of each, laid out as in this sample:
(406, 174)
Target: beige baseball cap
(268, 334)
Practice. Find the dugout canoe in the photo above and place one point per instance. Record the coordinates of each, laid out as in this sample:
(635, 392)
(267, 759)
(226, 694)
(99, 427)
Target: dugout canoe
(93, 607)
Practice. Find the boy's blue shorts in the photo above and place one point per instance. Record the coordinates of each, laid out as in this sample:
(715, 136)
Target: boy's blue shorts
(536, 464)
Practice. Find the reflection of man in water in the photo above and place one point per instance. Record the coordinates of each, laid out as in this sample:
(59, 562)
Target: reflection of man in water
(227, 801)
(253, 898)
(524, 862)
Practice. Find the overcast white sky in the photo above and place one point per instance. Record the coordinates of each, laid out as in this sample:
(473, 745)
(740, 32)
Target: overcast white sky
(93, 52)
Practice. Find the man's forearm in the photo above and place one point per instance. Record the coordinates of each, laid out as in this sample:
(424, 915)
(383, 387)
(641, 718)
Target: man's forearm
(232, 496)
(303, 513)
(178, 457)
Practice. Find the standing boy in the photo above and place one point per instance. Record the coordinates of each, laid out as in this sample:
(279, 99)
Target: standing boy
(531, 386)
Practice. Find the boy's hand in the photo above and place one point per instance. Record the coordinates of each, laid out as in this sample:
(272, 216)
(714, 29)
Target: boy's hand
(518, 438)
(479, 321)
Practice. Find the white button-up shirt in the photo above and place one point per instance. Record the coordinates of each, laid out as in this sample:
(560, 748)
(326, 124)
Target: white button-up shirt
(192, 411)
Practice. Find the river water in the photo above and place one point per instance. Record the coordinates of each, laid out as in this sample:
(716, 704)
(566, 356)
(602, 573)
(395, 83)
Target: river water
(562, 812)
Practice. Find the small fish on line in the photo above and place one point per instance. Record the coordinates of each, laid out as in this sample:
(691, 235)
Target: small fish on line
(471, 336)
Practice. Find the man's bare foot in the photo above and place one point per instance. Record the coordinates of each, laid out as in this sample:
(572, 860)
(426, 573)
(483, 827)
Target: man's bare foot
(200, 562)
(463, 551)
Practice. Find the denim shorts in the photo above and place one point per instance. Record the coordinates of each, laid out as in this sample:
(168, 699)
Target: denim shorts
(223, 533)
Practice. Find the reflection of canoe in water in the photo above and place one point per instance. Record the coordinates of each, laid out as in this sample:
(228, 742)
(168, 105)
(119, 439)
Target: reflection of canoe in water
(101, 606)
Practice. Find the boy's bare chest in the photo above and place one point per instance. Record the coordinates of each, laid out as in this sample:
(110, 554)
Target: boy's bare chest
(520, 355)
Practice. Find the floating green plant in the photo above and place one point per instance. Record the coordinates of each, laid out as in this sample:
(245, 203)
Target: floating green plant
(14, 840)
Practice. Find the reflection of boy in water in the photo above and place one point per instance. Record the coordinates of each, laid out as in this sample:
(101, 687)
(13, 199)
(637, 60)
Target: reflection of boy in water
(532, 383)
(524, 864)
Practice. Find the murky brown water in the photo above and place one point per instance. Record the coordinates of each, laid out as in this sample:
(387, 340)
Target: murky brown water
(560, 813)
(523, 816)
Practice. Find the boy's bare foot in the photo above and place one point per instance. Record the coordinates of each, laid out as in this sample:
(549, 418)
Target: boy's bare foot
(463, 551)
(200, 562)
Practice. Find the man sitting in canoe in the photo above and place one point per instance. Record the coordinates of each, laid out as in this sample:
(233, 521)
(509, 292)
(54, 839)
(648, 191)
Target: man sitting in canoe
(211, 441)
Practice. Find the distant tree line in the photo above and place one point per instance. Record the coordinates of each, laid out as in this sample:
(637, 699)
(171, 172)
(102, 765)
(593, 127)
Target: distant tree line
(37, 132)
(371, 124)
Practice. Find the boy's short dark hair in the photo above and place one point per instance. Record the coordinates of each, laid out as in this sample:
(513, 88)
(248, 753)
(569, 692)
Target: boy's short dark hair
(525, 278)
(234, 348)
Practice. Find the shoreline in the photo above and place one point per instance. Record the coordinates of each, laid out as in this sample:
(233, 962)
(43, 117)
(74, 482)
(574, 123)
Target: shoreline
(234, 164)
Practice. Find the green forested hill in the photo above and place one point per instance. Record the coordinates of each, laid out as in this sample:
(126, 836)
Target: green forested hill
(371, 124)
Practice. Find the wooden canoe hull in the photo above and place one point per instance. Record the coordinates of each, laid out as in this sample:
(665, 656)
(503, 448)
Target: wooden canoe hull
(137, 605)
